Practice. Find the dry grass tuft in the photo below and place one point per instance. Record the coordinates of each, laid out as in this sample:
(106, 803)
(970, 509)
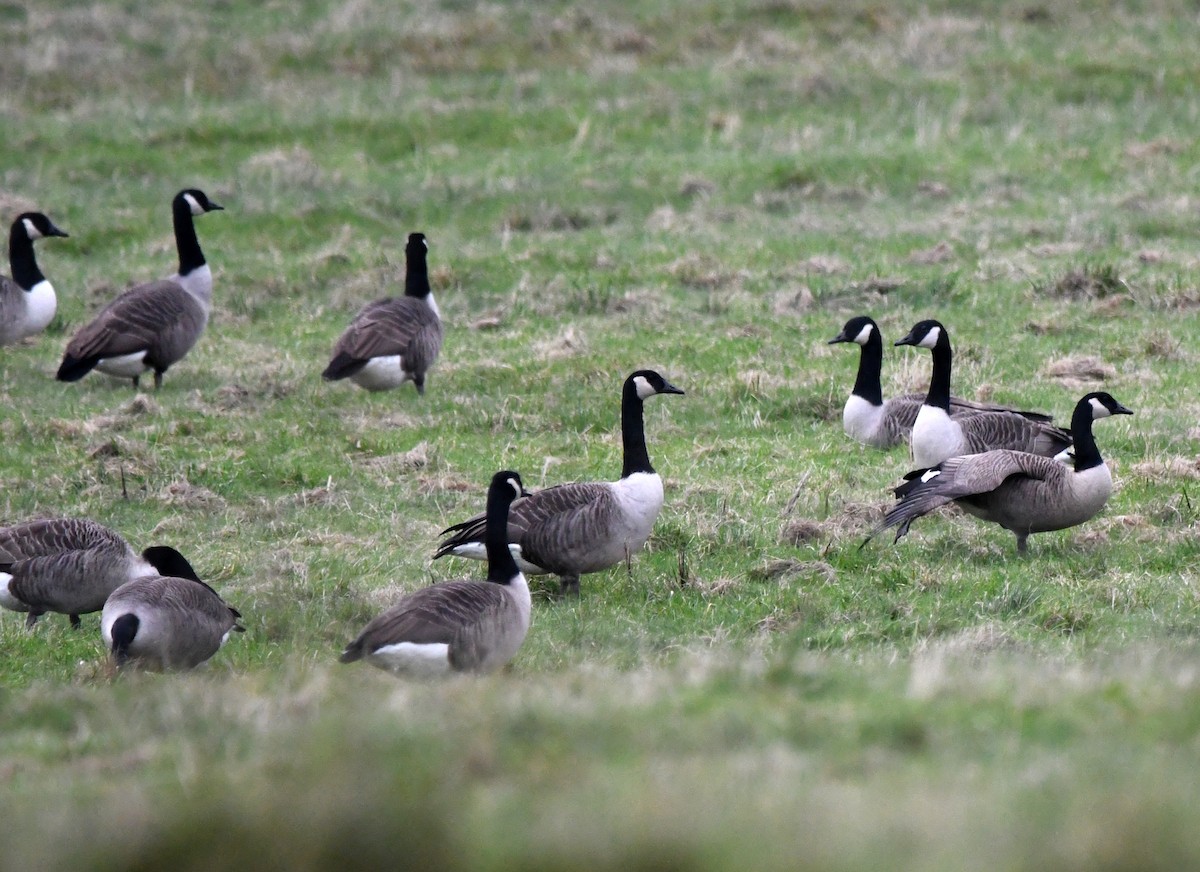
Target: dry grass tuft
(801, 531)
(1081, 369)
(940, 253)
(569, 343)
(1167, 469)
(787, 568)
(183, 493)
(1089, 283)
(417, 457)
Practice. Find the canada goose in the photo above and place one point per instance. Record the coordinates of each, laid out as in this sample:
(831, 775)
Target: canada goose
(153, 325)
(868, 418)
(936, 436)
(65, 565)
(27, 301)
(574, 529)
(168, 621)
(396, 339)
(1022, 492)
(457, 625)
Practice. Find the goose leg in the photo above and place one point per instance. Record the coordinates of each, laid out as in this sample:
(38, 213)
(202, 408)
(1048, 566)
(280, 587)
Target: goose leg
(31, 619)
(136, 380)
(157, 379)
(75, 622)
(570, 585)
(419, 383)
(1022, 547)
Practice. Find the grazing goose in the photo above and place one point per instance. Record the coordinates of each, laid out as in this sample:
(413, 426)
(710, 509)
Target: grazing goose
(396, 339)
(574, 529)
(65, 565)
(457, 625)
(153, 325)
(168, 621)
(1022, 492)
(27, 301)
(871, 420)
(936, 436)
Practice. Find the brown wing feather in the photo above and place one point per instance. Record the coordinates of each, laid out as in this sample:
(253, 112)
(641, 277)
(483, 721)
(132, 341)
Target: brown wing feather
(387, 327)
(159, 317)
(431, 615)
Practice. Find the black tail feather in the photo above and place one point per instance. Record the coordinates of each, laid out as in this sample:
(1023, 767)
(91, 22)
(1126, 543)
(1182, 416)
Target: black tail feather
(124, 630)
(343, 366)
(73, 369)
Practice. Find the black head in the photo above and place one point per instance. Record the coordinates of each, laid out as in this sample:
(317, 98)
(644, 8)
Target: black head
(857, 330)
(35, 225)
(926, 334)
(196, 201)
(508, 482)
(169, 562)
(647, 383)
(1103, 404)
(417, 244)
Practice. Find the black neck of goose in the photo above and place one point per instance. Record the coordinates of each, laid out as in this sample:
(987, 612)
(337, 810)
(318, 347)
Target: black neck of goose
(633, 433)
(870, 365)
(24, 266)
(1087, 454)
(502, 567)
(190, 255)
(416, 275)
(939, 383)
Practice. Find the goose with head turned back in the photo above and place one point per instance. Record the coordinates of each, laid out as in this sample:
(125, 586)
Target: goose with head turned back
(65, 565)
(1022, 492)
(937, 436)
(153, 325)
(396, 339)
(573, 529)
(871, 420)
(27, 300)
(460, 626)
(168, 621)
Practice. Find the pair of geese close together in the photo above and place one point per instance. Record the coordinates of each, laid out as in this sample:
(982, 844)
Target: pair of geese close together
(999, 464)
(157, 611)
(154, 325)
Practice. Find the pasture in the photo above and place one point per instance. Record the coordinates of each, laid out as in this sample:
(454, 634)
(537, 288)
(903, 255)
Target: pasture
(707, 189)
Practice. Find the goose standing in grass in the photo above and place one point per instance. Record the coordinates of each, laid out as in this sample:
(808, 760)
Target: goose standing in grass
(1022, 492)
(171, 620)
(457, 625)
(871, 420)
(66, 565)
(573, 529)
(27, 300)
(937, 436)
(153, 325)
(396, 339)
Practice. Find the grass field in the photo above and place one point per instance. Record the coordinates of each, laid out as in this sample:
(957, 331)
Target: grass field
(707, 189)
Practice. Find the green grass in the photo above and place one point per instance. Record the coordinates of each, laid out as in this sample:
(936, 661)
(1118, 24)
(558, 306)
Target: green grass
(707, 189)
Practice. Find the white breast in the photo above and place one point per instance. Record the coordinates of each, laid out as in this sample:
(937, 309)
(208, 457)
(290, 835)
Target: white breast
(198, 283)
(640, 497)
(935, 437)
(381, 374)
(860, 420)
(40, 306)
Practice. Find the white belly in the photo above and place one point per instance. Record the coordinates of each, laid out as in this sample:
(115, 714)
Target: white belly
(410, 658)
(935, 437)
(125, 366)
(381, 374)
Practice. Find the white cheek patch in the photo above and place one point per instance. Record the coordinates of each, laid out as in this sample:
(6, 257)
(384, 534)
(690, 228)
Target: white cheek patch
(643, 388)
(1099, 410)
(193, 204)
(31, 229)
(516, 486)
(864, 335)
(930, 339)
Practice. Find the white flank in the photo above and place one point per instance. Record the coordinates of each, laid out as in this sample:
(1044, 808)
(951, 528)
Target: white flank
(381, 374)
(7, 600)
(124, 366)
(935, 437)
(478, 551)
(410, 658)
(861, 419)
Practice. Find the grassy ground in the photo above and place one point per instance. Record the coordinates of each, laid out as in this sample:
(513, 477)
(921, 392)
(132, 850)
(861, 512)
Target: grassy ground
(707, 189)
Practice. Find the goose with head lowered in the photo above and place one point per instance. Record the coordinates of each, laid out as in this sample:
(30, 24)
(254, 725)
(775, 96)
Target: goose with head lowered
(462, 626)
(573, 529)
(870, 419)
(66, 565)
(396, 339)
(937, 436)
(1022, 492)
(151, 326)
(27, 300)
(167, 621)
